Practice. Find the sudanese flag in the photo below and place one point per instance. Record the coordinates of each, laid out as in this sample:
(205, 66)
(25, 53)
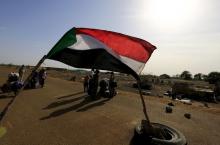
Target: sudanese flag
(101, 49)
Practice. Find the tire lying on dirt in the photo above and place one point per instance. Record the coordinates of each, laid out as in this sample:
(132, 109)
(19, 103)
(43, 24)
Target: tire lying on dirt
(170, 135)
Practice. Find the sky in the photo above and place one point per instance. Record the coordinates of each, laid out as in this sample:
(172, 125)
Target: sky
(185, 32)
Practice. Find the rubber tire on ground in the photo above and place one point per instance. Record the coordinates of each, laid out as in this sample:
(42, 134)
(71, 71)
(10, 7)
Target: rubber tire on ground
(175, 136)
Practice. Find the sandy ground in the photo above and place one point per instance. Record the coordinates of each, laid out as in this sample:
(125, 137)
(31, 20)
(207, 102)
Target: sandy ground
(61, 114)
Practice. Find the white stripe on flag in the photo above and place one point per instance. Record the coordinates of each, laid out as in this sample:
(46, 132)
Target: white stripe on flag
(86, 42)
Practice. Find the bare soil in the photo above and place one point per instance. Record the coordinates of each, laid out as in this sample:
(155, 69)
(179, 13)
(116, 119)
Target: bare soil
(60, 113)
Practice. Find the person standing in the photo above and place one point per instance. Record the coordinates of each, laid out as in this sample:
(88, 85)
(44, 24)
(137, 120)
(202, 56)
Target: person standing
(86, 83)
(42, 77)
(112, 85)
(96, 81)
(21, 72)
(35, 80)
(93, 85)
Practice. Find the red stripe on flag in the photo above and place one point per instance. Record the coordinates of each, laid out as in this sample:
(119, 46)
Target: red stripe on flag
(124, 45)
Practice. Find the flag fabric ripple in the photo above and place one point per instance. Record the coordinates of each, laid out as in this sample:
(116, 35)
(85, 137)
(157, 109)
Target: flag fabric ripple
(101, 49)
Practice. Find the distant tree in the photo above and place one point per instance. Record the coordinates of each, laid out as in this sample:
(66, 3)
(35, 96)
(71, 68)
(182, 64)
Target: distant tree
(205, 77)
(2, 64)
(217, 89)
(10, 64)
(213, 77)
(177, 76)
(198, 76)
(164, 76)
(186, 75)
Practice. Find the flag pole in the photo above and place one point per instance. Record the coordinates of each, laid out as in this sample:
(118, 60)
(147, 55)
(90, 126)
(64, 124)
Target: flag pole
(25, 83)
(32, 73)
(143, 103)
(142, 100)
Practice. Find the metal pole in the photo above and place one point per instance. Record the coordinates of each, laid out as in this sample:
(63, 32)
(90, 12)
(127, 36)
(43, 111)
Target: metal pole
(143, 102)
(32, 72)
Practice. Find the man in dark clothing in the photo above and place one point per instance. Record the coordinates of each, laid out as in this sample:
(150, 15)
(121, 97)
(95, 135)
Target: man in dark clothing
(42, 77)
(112, 85)
(104, 88)
(86, 83)
(93, 85)
(21, 72)
(34, 80)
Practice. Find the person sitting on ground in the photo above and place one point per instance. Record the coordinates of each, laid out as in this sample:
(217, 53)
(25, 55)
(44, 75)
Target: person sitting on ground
(104, 88)
(13, 77)
(12, 84)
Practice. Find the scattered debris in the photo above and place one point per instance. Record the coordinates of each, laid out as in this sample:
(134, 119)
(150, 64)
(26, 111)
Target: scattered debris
(185, 101)
(73, 78)
(187, 115)
(166, 94)
(206, 105)
(169, 109)
(160, 96)
(146, 92)
(171, 104)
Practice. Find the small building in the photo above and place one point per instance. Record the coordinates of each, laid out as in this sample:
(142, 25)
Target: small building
(193, 91)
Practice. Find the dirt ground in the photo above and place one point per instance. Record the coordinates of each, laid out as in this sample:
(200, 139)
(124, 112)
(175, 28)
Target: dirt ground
(60, 113)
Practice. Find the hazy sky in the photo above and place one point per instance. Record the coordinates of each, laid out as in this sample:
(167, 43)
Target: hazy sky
(186, 32)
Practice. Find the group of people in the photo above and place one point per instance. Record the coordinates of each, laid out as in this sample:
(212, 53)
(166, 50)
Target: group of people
(107, 86)
(13, 83)
(91, 83)
(38, 79)
(15, 80)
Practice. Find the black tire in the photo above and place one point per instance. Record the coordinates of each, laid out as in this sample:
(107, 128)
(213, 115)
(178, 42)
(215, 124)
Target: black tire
(171, 136)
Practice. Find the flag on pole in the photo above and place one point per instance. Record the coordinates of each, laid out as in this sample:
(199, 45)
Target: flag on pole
(101, 49)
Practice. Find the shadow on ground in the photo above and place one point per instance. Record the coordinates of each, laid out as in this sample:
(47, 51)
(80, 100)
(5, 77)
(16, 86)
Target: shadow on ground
(136, 140)
(5, 109)
(64, 102)
(6, 96)
(84, 105)
(70, 95)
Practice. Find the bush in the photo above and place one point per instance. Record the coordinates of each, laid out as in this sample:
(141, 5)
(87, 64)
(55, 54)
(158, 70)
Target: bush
(164, 76)
(186, 75)
(213, 77)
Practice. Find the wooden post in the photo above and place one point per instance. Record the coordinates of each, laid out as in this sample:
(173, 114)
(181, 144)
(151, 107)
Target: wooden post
(32, 72)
